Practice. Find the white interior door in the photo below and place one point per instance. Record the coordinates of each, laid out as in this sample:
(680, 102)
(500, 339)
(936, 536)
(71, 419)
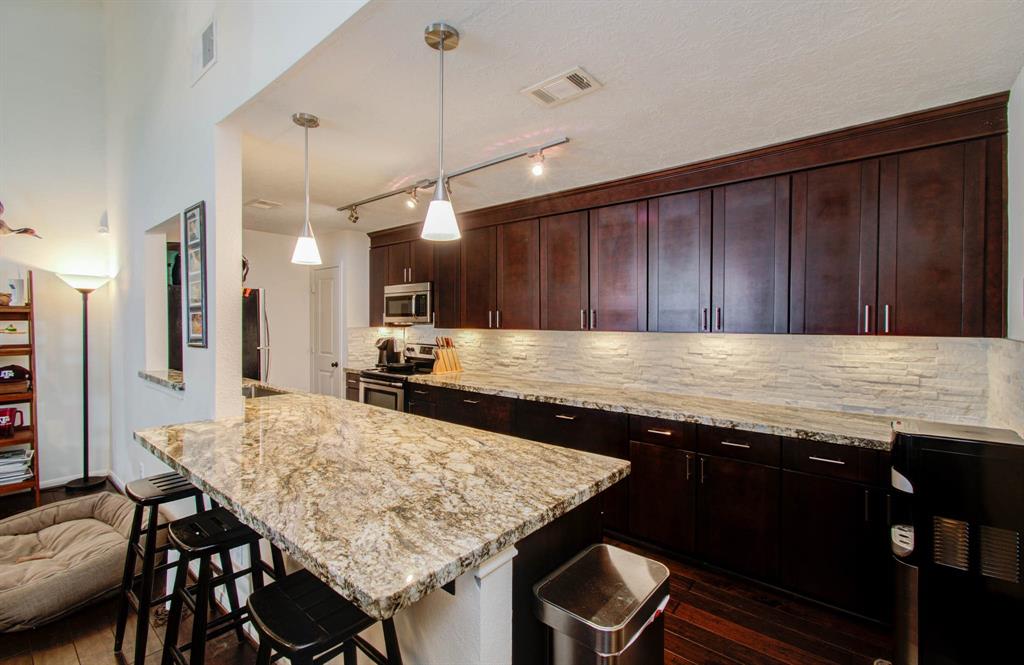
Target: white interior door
(324, 332)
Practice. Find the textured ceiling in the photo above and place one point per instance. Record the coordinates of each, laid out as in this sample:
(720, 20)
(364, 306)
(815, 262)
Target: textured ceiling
(683, 81)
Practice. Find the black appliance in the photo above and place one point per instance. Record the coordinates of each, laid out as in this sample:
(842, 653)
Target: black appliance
(956, 523)
(255, 335)
(387, 352)
(384, 386)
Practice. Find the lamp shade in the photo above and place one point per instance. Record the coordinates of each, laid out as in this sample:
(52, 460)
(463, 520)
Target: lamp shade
(85, 283)
(440, 223)
(306, 252)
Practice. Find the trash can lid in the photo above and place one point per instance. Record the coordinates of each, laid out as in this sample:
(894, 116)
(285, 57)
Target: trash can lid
(603, 596)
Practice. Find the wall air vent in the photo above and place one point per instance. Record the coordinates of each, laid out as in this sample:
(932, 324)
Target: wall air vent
(1000, 554)
(950, 542)
(204, 50)
(561, 88)
(262, 204)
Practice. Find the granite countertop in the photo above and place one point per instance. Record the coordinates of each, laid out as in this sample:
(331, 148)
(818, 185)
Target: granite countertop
(168, 378)
(384, 506)
(840, 427)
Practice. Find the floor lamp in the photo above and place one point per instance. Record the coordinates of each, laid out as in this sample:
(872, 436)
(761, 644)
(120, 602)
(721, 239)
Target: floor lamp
(85, 284)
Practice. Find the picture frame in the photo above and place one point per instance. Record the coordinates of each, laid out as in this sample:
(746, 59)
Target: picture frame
(194, 235)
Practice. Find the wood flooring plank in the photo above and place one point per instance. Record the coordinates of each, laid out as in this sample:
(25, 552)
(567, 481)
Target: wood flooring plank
(13, 644)
(693, 651)
(726, 648)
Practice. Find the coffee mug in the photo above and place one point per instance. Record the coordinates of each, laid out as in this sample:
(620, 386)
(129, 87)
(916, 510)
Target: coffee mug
(9, 419)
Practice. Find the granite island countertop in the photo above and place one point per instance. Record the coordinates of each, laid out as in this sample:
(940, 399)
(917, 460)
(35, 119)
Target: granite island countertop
(839, 427)
(384, 506)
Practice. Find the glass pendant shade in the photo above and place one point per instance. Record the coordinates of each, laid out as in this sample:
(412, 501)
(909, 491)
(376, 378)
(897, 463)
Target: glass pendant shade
(440, 223)
(306, 252)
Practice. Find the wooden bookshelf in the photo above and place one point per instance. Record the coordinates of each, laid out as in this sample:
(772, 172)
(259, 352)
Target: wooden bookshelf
(26, 434)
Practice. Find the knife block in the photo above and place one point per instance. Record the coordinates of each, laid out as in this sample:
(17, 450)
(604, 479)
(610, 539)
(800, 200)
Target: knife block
(446, 359)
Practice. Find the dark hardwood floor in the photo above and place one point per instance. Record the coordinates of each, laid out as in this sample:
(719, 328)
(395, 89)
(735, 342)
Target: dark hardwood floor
(712, 618)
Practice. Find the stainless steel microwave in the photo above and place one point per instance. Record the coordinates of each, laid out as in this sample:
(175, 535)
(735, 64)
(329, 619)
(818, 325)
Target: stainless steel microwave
(407, 304)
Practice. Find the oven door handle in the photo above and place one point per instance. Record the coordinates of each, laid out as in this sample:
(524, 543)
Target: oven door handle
(375, 382)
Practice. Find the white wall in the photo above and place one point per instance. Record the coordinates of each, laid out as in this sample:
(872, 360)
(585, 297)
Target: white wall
(1015, 195)
(350, 252)
(166, 151)
(52, 162)
(286, 289)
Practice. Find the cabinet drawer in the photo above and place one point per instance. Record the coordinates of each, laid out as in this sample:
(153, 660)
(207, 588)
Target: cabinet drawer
(670, 433)
(831, 459)
(352, 386)
(487, 412)
(591, 430)
(739, 444)
(420, 393)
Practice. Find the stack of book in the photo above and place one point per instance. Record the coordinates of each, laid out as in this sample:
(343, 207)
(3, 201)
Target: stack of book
(15, 465)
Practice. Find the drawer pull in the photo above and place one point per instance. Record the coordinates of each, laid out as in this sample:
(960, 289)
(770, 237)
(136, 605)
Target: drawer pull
(827, 460)
(471, 401)
(421, 392)
(662, 432)
(735, 445)
(564, 417)
(353, 383)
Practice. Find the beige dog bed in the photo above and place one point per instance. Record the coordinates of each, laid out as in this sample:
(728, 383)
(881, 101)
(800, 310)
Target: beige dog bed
(58, 558)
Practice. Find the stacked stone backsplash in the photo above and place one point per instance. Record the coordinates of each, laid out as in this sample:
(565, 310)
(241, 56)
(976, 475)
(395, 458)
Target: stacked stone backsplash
(967, 380)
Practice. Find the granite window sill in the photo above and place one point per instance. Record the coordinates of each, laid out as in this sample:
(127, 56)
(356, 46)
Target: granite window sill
(168, 378)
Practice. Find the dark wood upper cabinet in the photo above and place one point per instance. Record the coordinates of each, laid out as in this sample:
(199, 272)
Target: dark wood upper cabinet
(679, 263)
(931, 252)
(447, 262)
(518, 276)
(421, 260)
(398, 263)
(750, 246)
(564, 274)
(834, 250)
(618, 267)
(479, 277)
(378, 277)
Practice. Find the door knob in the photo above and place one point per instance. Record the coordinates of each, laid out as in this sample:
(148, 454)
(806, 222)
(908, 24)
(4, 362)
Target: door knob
(334, 364)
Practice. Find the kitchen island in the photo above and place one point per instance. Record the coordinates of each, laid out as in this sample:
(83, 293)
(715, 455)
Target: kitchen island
(388, 508)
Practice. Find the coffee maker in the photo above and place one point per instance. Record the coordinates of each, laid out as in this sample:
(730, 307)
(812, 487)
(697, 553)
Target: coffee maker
(387, 353)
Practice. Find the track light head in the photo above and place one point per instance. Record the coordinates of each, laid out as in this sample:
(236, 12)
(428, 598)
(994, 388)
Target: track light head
(353, 216)
(538, 164)
(411, 200)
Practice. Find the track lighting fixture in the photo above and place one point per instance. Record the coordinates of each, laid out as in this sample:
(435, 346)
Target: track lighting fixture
(412, 200)
(353, 216)
(538, 164)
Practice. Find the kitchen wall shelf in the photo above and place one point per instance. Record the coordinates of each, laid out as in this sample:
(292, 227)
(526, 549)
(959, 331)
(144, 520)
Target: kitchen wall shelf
(26, 435)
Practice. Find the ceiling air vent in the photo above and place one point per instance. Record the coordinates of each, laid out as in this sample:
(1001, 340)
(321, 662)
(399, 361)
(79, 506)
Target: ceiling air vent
(560, 89)
(262, 204)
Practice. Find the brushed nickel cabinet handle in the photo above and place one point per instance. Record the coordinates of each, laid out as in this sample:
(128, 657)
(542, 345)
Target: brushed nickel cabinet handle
(497, 318)
(704, 319)
(662, 432)
(421, 392)
(867, 506)
(867, 318)
(702, 471)
(489, 317)
(735, 445)
(718, 319)
(593, 319)
(827, 460)
(886, 315)
(583, 320)
(352, 383)
(689, 466)
(564, 417)
(471, 401)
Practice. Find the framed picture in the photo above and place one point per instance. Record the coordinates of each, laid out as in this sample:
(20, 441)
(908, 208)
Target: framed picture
(194, 234)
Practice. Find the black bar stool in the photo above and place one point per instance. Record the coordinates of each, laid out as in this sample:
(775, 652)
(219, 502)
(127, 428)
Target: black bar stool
(148, 493)
(304, 620)
(200, 537)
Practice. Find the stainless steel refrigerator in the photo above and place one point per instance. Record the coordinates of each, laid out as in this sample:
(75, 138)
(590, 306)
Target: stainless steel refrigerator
(255, 335)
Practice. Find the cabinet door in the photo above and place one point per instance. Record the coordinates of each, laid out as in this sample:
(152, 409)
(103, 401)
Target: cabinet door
(378, 277)
(931, 252)
(398, 263)
(662, 495)
(420, 408)
(835, 250)
(421, 260)
(447, 260)
(832, 544)
(487, 412)
(738, 515)
(518, 278)
(750, 245)
(618, 267)
(679, 267)
(479, 299)
(564, 282)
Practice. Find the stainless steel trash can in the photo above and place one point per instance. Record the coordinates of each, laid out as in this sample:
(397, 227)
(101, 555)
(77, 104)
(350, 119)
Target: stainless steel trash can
(605, 606)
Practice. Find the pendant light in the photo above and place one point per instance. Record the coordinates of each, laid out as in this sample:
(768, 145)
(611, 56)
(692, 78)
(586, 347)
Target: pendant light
(440, 223)
(306, 252)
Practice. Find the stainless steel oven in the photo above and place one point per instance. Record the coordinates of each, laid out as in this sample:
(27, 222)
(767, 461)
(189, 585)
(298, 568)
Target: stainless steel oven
(407, 304)
(383, 393)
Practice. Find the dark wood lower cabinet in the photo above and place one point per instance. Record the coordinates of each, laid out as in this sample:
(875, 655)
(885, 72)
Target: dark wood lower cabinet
(352, 386)
(738, 515)
(833, 542)
(662, 495)
(487, 412)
